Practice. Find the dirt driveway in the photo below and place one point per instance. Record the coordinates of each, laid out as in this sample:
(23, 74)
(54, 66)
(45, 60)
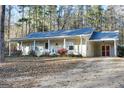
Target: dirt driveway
(62, 72)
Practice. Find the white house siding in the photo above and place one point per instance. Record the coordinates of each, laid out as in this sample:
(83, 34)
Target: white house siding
(90, 49)
(83, 48)
(69, 42)
(41, 43)
(78, 49)
(56, 44)
(73, 42)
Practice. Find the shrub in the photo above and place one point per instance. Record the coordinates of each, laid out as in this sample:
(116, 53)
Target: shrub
(32, 53)
(62, 51)
(53, 55)
(120, 50)
(18, 52)
(72, 55)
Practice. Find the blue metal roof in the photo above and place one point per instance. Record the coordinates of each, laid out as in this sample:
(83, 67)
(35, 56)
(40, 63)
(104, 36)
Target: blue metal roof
(82, 31)
(105, 35)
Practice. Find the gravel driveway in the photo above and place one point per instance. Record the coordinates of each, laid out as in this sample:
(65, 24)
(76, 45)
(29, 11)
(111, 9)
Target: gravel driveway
(76, 72)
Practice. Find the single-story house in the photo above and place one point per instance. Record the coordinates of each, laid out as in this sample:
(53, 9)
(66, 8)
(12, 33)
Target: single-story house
(85, 41)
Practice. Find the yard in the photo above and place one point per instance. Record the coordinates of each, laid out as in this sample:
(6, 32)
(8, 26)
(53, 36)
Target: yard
(62, 72)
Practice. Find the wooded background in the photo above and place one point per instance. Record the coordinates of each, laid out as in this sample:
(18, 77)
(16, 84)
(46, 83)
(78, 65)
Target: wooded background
(24, 19)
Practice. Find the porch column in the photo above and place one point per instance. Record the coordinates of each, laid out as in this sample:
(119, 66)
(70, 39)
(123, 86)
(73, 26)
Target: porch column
(86, 47)
(115, 47)
(48, 44)
(64, 46)
(34, 45)
(81, 45)
(9, 48)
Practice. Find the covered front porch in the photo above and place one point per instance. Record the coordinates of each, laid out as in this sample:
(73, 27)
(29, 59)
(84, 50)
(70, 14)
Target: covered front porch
(75, 45)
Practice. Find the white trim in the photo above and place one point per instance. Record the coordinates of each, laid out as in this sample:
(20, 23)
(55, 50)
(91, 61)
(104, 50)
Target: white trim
(103, 40)
(48, 44)
(109, 31)
(105, 49)
(90, 35)
(81, 42)
(64, 43)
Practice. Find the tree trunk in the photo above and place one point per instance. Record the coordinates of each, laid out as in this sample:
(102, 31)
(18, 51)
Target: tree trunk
(35, 18)
(9, 20)
(2, 18)
(22, 21)
(43, 18)
(29, 20)
(58, 23)
(50, 21)
(26, 27)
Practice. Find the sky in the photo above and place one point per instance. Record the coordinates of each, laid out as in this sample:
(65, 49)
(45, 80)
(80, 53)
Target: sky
(105, 7)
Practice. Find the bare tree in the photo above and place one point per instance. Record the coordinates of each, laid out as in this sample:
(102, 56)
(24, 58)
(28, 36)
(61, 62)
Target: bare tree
(2, 19)
(9, 20)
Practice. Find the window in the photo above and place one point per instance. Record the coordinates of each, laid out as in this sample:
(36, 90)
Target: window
(56, 44)
(71, 47)
(46, 45)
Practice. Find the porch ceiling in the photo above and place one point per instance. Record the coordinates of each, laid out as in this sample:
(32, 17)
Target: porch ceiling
(100, 40)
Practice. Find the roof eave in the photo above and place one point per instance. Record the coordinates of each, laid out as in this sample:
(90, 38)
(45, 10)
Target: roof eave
(22, 39)
(103, 39)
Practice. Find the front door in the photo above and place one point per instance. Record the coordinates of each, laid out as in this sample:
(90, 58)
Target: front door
(105, 50)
